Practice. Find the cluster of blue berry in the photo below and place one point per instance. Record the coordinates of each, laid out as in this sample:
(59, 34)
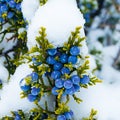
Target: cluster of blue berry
(10, 9)
(57, 60)
(31, 88)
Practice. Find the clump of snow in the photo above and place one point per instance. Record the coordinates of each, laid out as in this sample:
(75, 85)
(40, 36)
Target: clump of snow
(28, 8)
(59, 17)
(10, 94)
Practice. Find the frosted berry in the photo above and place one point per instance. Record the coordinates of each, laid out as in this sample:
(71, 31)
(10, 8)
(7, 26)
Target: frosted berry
(52, 52)
(75, 79)
(55, 74)
(34, 60)
(74, 50)
(68, 84)
(35, 91)
(65, 70)
(57, 66)
(23, 85)
(64, 58)
(72, 59)
(31, 97)
(85, 79)
(59, 83)
(61, 117)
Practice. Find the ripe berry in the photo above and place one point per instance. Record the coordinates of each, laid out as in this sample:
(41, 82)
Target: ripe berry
(59, 83)
(4, 8)
(18, 7)
(31, 97)
(74, 50)
(70, 91)
(23, 85)
(72, 59)
(85, 79)
(10, 14)
(55, 75)
(12, 3)
(35, 91)
(61, 117)
(75, 79)
(65, 70)
(52, 52)
(57, 66)
(54, 91)
(68, 84)
(64, 58)
(77, 88)
(68, 115)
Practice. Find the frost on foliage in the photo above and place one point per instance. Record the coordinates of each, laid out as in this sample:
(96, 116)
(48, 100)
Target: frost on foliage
(57, 17)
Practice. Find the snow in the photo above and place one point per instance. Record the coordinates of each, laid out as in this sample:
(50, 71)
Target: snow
(10, 94)
(103, 98)
(58, 19)
(5, 44)
(28, 8)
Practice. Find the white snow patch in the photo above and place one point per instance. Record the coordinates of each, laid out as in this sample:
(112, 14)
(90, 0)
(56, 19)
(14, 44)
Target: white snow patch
(10, 94)
(29, 8)
(59, 17)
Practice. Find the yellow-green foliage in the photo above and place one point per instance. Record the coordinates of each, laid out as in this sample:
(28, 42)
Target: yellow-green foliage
(93, 113)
